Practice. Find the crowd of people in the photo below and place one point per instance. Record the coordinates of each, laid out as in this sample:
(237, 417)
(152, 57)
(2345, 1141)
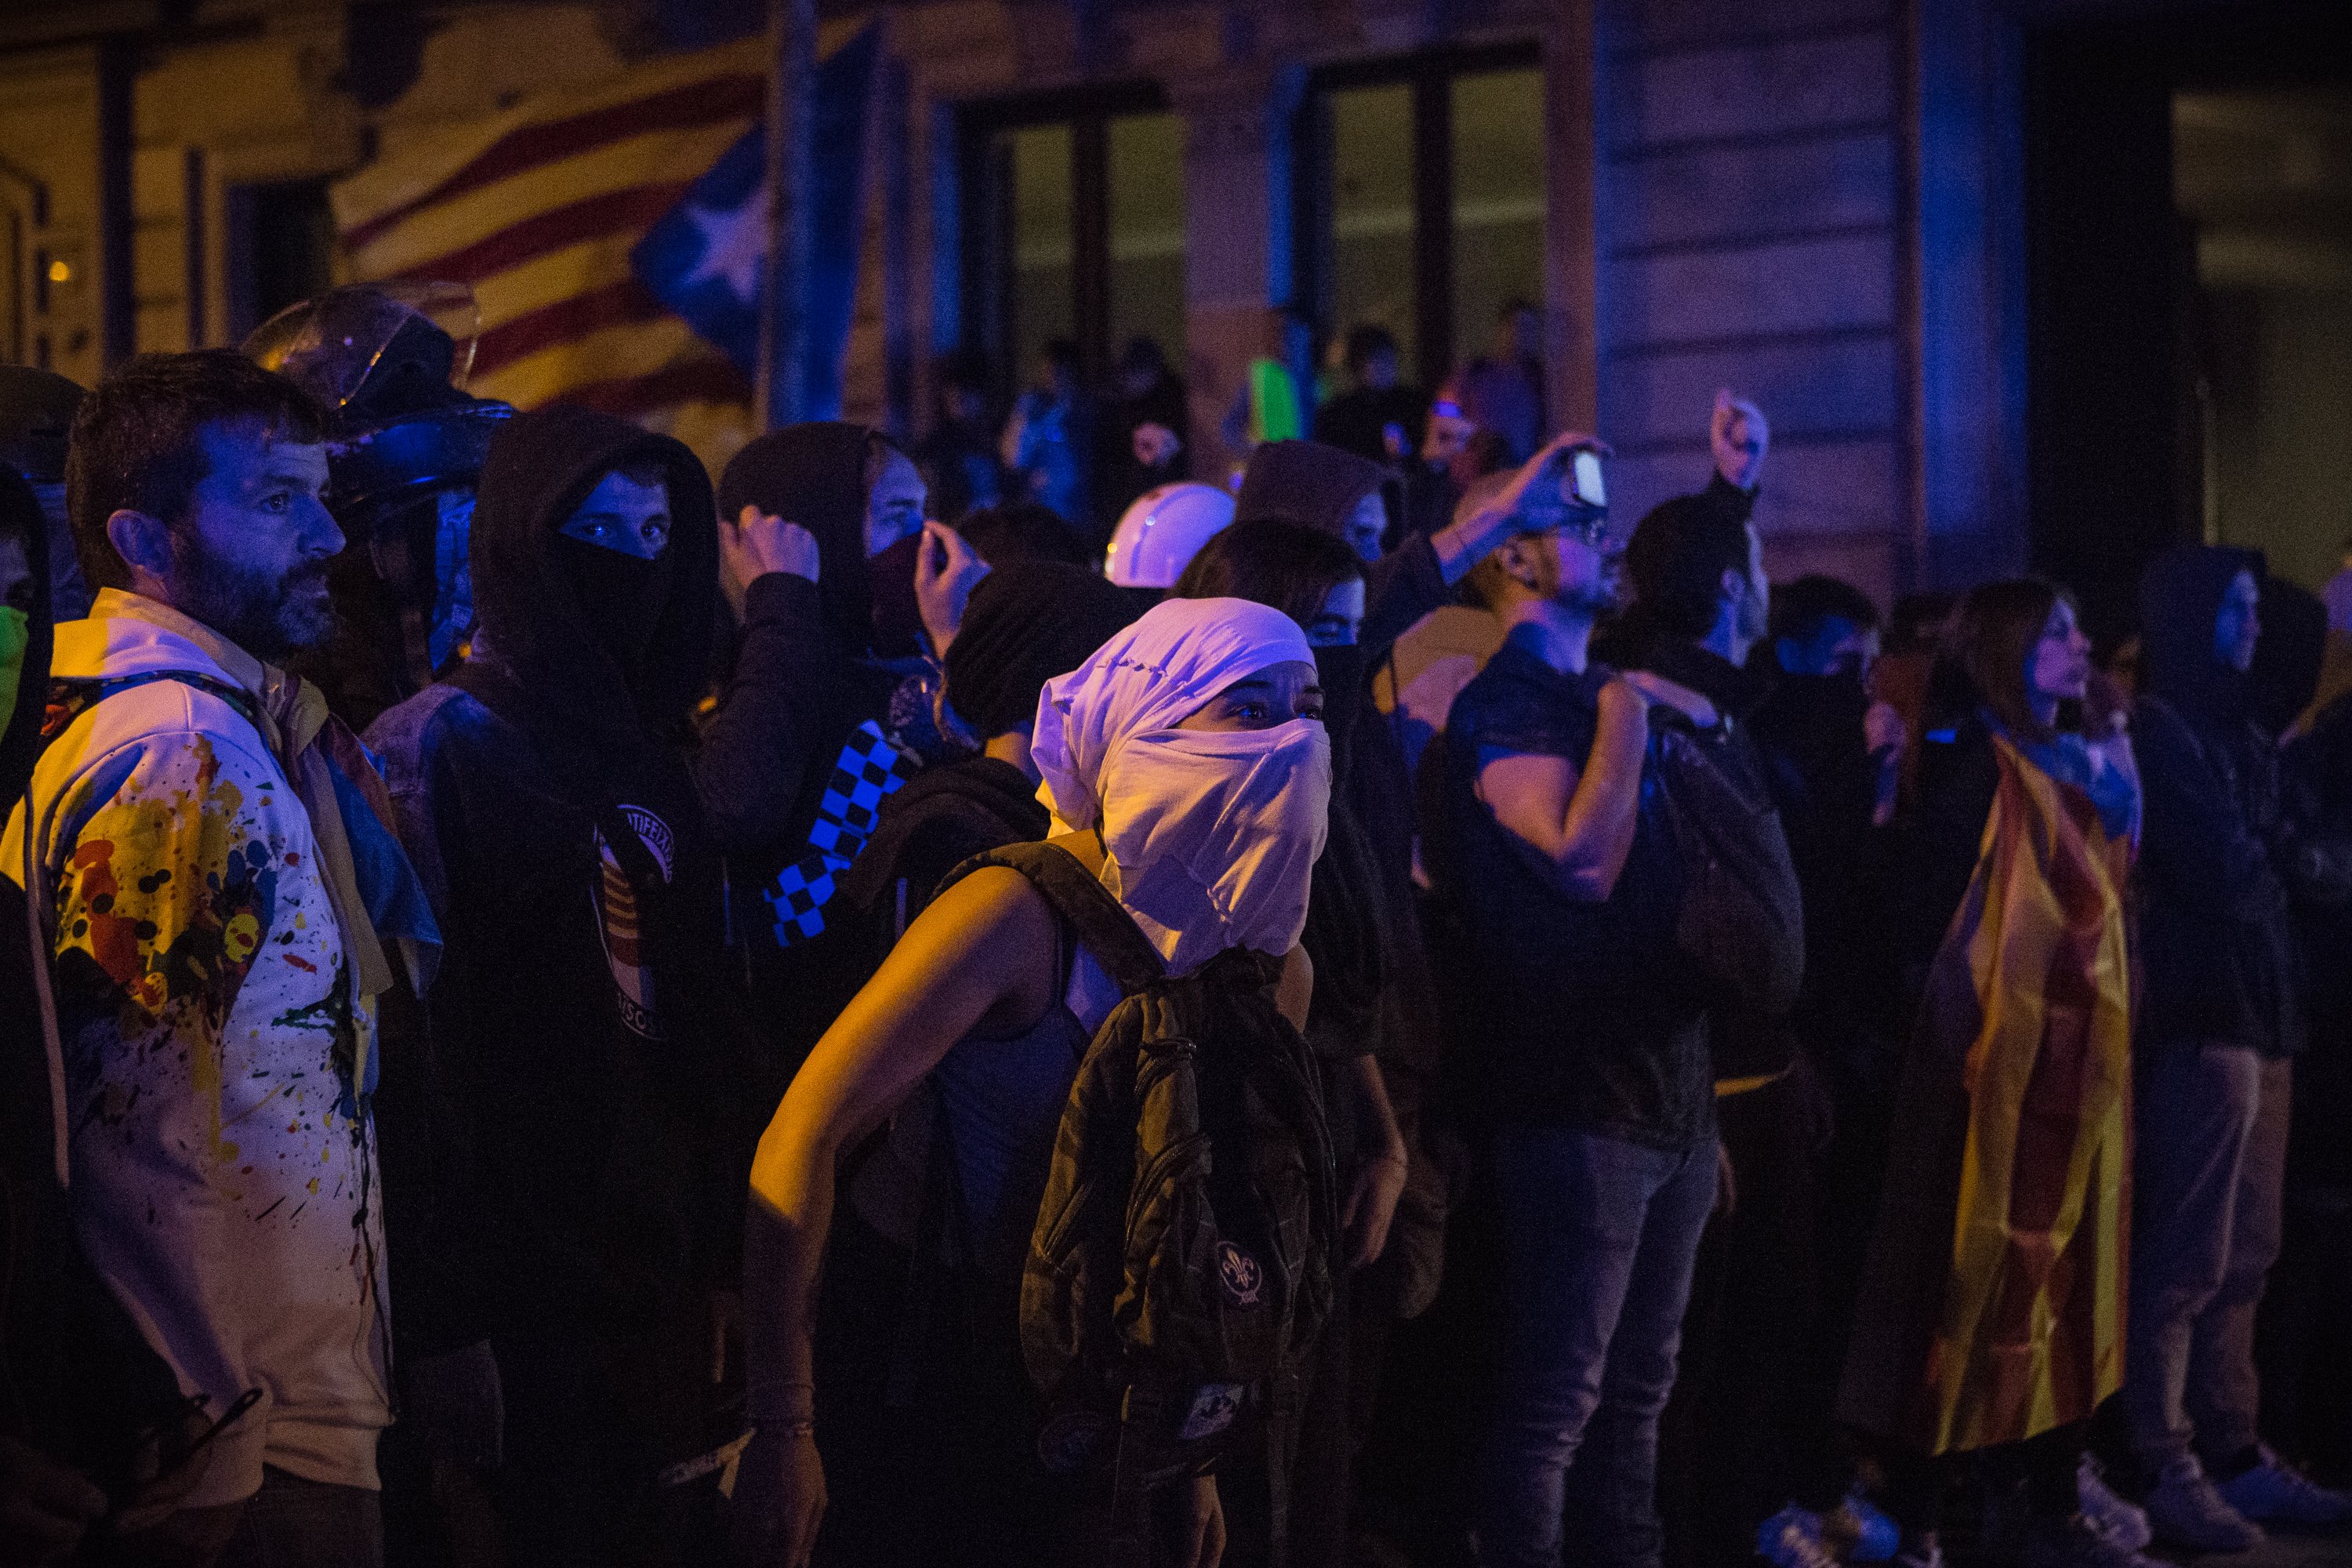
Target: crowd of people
(563, 1012)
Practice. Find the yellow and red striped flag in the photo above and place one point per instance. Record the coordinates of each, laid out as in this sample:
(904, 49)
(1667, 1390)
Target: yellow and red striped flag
(536, 209)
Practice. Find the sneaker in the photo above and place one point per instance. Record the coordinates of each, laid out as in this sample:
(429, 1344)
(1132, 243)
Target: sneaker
(2108, 1513)
(2185, 1510)
(1793, 1539)
(2275, 1492)
(1867, 1534)
(2077, 1544)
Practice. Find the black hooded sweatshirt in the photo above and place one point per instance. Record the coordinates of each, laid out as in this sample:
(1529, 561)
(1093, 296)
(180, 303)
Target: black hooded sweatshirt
(77, 1380)
(575, 1137)
(2216, 940)
(815, 475)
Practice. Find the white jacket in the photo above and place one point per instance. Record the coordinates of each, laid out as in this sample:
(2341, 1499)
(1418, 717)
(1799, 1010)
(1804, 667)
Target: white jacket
(221, 1183)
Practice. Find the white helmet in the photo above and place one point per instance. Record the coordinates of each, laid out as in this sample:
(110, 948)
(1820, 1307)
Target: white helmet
(1157, 537)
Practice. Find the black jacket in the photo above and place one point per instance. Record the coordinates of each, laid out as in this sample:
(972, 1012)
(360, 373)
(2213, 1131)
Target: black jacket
(1808, 733)
(1745, 1044)
(2218, 946)
(2320, 765)
(566, 1122)
(944, 816)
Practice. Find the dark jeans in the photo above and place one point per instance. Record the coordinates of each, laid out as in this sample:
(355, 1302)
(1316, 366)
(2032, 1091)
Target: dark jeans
(2209, 1169)
(1739, 1437)
(294, 1523)
(1599, 1237)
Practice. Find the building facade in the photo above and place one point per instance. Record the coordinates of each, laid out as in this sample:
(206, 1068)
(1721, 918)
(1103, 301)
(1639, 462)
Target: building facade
(1818, 203)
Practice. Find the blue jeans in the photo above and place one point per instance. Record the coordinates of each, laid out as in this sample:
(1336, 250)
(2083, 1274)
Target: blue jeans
(1598, 1240)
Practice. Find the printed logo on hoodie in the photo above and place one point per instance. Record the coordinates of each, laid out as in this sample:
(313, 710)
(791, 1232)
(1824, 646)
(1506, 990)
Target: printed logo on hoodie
(618, 925)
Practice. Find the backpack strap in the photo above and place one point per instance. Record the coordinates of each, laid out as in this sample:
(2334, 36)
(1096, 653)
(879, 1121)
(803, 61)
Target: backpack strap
(1103, 928)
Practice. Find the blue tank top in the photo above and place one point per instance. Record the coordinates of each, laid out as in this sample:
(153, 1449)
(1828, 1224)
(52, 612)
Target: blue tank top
(1003, 1099)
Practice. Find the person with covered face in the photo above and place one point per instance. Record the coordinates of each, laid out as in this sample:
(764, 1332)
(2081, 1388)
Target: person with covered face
(1187, 768)
(886, 590)
(567, 1188)
(224, 904)
(1028, 622)
(2220, 1027)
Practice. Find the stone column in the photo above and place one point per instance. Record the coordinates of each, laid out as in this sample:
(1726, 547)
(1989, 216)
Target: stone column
(1238, 239)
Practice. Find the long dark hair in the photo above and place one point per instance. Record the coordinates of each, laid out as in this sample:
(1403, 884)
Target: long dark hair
(1284, 566)
(1987, 656)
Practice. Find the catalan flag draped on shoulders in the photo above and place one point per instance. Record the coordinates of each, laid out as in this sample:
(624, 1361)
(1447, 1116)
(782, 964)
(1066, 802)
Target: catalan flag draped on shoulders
(1992, 1300)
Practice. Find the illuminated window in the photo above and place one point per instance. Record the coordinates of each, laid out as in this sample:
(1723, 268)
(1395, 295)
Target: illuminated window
(1073, 216)
(1420, 200)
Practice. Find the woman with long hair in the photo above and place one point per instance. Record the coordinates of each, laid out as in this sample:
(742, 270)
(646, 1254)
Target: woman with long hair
(1187, 768)
(1991, 1311)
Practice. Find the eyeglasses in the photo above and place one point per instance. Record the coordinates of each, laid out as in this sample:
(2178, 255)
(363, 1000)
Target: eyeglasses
(1587, 526)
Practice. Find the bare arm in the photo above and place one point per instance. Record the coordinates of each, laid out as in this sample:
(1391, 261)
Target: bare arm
(1296, 988)
(1479, 528)
(1578, 824)
(969, 956)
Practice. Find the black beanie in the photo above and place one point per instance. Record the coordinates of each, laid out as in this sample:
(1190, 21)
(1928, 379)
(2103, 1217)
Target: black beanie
(1028, 622)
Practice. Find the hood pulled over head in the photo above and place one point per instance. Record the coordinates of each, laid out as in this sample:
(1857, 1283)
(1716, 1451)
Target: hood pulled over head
(1305, 482)
(1210, 836)
(815, 475)
(613, 649)
(2180, 600)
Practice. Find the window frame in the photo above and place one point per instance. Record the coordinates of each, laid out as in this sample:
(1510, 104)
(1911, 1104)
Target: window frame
(985, 293)
(1431, 74)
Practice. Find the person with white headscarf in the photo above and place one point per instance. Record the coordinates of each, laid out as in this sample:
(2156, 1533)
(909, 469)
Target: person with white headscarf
(1186, 766)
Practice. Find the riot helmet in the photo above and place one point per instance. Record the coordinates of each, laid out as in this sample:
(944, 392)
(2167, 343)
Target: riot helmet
(389, 361)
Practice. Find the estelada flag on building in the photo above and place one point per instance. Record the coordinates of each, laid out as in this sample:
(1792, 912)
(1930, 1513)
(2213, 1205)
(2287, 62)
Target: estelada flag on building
(538, 208)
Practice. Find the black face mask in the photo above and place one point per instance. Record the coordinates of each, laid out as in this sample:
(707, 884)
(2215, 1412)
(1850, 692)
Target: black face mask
(621, 597)
(1340, 672)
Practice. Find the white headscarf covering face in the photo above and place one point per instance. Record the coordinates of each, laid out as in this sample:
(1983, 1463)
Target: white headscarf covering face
(1210, 836)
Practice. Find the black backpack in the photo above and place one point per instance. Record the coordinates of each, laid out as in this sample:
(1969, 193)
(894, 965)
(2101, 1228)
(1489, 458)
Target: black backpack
(1738, 917)
(1183, 1259)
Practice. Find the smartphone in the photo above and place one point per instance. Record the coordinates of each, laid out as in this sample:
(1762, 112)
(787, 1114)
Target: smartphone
(1584, 486)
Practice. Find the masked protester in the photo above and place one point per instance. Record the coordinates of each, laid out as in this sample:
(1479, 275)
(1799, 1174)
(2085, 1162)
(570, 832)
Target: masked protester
(1990, 1321)
(1027, 623)
(1337, 494)
(2222, 1021)
(404, 458)
(208, 848)
(37, 413)
(1186, 770)
(1832, 760)
(867, 707)
(570, 1166)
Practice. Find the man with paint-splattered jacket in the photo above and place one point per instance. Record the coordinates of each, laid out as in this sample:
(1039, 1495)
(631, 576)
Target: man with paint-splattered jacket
(201, 835)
